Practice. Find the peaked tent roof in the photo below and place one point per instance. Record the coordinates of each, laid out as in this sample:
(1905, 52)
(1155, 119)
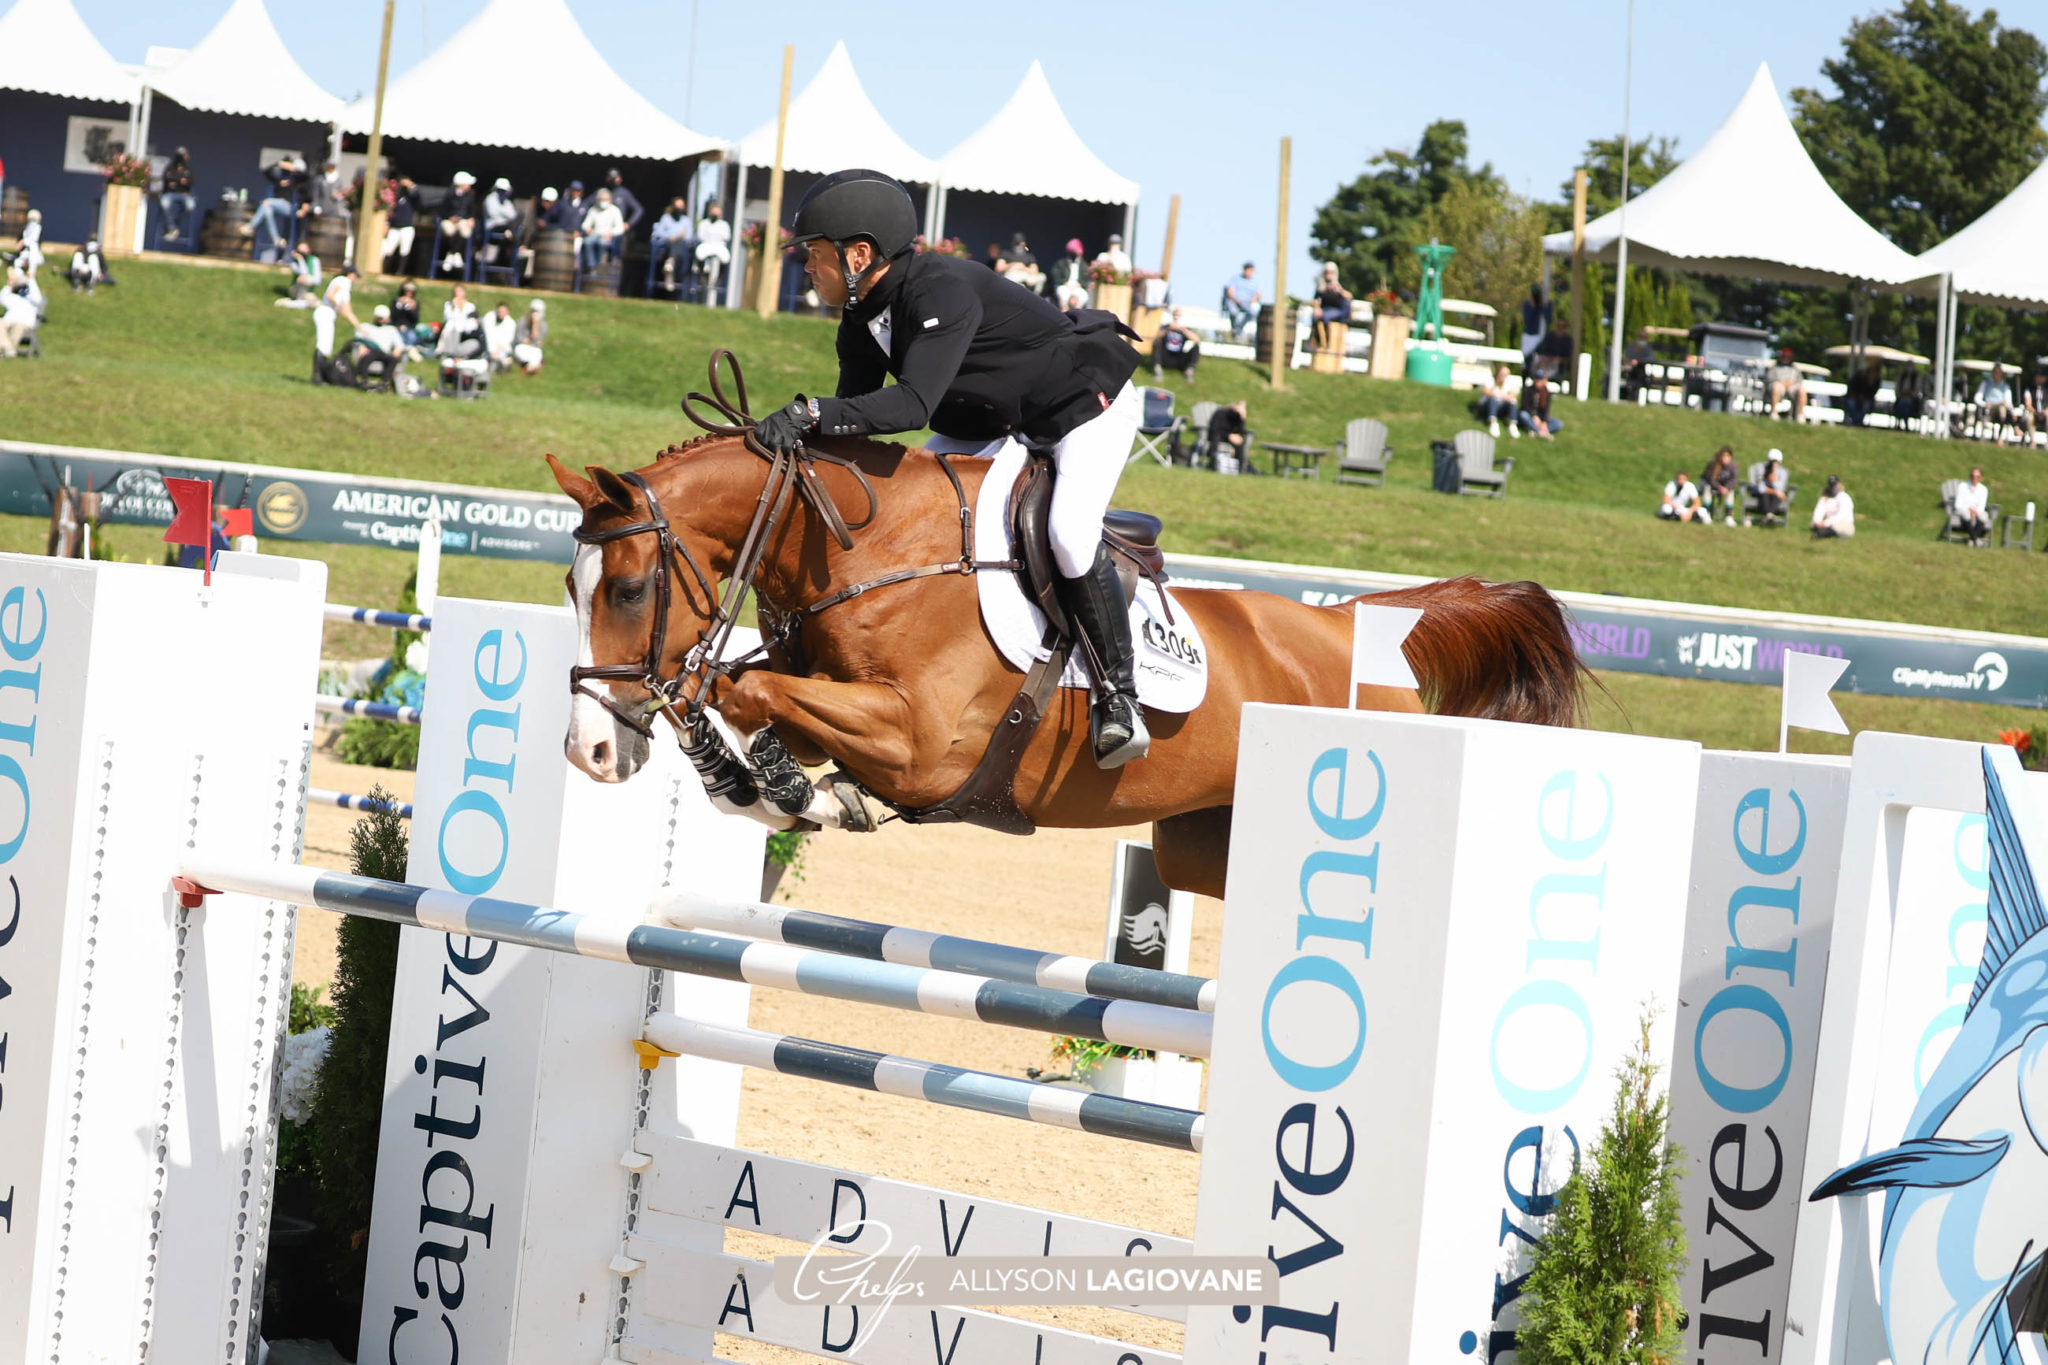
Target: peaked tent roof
(243, 67)
(1030, 148)
(584, 106)
(833, 125)
(46, 48)
(1749, 203)
(2002, 258)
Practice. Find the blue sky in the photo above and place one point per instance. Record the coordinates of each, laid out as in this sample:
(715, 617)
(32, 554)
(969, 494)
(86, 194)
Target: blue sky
(1189, 98)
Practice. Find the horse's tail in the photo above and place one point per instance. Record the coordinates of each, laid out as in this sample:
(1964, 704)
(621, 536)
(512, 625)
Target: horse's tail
(1501, 651)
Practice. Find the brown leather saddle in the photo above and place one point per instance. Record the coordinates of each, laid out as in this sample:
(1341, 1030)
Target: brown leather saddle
(988, 797)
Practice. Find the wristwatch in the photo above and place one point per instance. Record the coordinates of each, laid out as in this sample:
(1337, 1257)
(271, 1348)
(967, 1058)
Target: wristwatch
(816, 416)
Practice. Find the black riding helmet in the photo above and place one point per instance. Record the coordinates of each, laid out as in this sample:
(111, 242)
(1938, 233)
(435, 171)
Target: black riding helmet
(847, 206)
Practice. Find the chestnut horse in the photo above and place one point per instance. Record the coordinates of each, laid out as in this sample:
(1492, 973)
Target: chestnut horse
(902, 686)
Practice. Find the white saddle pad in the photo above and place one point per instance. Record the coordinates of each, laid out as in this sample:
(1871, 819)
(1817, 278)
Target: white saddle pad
(1173, 663)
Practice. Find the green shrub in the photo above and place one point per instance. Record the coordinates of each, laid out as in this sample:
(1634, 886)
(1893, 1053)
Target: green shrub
(1604, 1289)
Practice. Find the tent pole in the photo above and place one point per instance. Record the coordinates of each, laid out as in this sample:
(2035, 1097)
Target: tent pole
(373, 169)
(1578, 273)
(1172, 230)
(1955, 340)
(1131, 229)
(1628, 70)
(767, 292)
(736, 214)
(1940, 350)
(1283, 325)
(931, 212)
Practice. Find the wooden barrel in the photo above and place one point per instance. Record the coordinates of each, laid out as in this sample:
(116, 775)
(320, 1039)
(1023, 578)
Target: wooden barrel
(554, 260)
(326, 239)
(13, 212)
(222, 233)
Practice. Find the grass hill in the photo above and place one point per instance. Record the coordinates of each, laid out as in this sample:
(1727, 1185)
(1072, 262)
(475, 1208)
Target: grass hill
(191, 361)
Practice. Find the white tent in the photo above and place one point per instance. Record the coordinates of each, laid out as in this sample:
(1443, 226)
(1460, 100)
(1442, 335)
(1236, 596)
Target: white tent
(46, 49)
(1751, 204)
(583, 107)
(243, 67)
(1030, 148)
(833, 125)
(2002, 258)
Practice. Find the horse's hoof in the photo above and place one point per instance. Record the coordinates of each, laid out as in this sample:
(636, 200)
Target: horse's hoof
(859, 811)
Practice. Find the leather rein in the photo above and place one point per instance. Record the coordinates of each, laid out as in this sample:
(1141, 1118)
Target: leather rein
(791, 474)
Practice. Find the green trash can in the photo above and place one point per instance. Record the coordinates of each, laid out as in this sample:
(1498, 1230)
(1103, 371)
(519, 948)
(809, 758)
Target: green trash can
(1428, 365)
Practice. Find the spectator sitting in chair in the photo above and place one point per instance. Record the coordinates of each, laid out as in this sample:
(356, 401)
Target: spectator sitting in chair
(568, 211)
(1241, 301)
(1784, 381)
(1020, 265)
(1070, 278)
(88, 267)
(1973, 504)
(1720, 483)
(1497, 401)
(458, 222)
(1114, 256)
(400, 223)
(175, 202)
(669, 240)
(714, 246)
(304, 268)
(1682, 501)
(501, 223)
(1994, 403)
(1635, 366)
(1226, 439)
(1834, 516)
(1175, 348)
(271, 223)
(1333, 305)
(500, 330)
(530, 341)
(1769, 490)
(18, 317)
(604, 231)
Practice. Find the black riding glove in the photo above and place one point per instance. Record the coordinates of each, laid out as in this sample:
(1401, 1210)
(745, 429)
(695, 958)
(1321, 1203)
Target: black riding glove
(785, 428)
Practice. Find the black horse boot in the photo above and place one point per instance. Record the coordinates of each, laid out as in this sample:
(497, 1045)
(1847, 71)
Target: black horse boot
(1102, 631)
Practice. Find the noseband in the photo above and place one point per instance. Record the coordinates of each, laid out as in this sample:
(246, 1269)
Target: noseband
(789, 473)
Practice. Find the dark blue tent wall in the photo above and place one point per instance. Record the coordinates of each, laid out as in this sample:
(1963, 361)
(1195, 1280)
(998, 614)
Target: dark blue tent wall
(32, 146)
(227, 148)
(978, 217)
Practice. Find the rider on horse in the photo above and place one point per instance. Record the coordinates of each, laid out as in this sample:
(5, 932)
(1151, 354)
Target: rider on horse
(978, 359)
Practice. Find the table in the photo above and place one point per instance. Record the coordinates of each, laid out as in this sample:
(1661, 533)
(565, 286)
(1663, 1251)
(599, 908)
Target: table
(1307, 460)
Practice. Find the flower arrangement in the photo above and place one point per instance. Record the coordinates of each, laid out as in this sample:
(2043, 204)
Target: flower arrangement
(1384, 300)
(751, 235)
(944, 246)
(123, 169)
(1102, 272)
(2032, 746)
(387, 196)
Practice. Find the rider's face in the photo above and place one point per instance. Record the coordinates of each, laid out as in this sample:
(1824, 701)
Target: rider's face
(821, 263)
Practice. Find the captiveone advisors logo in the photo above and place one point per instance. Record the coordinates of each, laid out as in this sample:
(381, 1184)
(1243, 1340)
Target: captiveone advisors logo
(1987, 674)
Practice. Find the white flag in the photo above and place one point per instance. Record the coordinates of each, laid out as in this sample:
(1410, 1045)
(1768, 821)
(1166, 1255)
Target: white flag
(1376, 658)
(1805, 701)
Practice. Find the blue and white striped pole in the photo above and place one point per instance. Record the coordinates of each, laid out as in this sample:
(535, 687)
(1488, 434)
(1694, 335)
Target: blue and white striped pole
(371, 616)
(775, 966)
(1057, 1106)
(350, 801)
(918, 948)
(375, 710)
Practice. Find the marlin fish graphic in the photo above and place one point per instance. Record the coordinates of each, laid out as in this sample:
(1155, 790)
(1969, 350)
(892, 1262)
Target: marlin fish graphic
(1966, 1195)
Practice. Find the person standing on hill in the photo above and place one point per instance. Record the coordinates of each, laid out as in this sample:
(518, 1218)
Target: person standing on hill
(1536, 314)
(979, 361)
(335, 300)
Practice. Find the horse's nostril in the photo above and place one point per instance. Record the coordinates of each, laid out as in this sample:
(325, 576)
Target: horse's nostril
(601, 754)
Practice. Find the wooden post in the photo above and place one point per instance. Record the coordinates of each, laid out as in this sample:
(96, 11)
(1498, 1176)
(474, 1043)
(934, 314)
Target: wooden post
(1283, 325)
(770, 282)
(366, 215)
(1578, 268)
(1172, 228)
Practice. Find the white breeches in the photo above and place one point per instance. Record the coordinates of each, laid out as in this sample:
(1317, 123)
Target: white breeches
(398, 242)
(1088, 462)
(323, 329)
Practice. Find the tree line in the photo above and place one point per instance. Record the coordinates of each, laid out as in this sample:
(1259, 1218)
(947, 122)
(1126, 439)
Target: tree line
(1934, 117)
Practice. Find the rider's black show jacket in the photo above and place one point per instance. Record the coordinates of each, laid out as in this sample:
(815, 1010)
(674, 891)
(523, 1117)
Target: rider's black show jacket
(974, 355)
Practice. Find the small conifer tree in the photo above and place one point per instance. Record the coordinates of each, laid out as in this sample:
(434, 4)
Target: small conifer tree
(348, 1105)
(1604, 1289)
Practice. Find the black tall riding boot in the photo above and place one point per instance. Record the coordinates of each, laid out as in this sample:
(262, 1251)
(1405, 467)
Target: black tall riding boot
(1102, 630)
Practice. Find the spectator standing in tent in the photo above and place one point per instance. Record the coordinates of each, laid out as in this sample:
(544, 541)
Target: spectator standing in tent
(1070, 277)
(175, 202)
(399, 225)
(529, 343)
(323, 195)
(458, 222)
(1834, 516)
(669, 240)
(1536, 315)
(1908, 396)
(1114, 256)
(714, 246)
(628, 206)
(1241, 301)
(604, 231)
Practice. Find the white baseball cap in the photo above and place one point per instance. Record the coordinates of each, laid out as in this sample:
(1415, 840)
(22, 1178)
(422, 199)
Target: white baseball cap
(382, 312)
(464, 178)
(1776, 454)
(537, 306)
(501, 183)
(549, 193)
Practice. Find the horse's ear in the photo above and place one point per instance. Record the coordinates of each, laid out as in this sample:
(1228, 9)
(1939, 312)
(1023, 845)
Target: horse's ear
(611, 487)
(574, 484)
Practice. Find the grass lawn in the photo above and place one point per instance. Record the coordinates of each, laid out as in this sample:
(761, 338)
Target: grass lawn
(197, 362)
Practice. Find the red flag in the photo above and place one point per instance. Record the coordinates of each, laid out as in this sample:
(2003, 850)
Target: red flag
(191, 512)
(241, 521)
